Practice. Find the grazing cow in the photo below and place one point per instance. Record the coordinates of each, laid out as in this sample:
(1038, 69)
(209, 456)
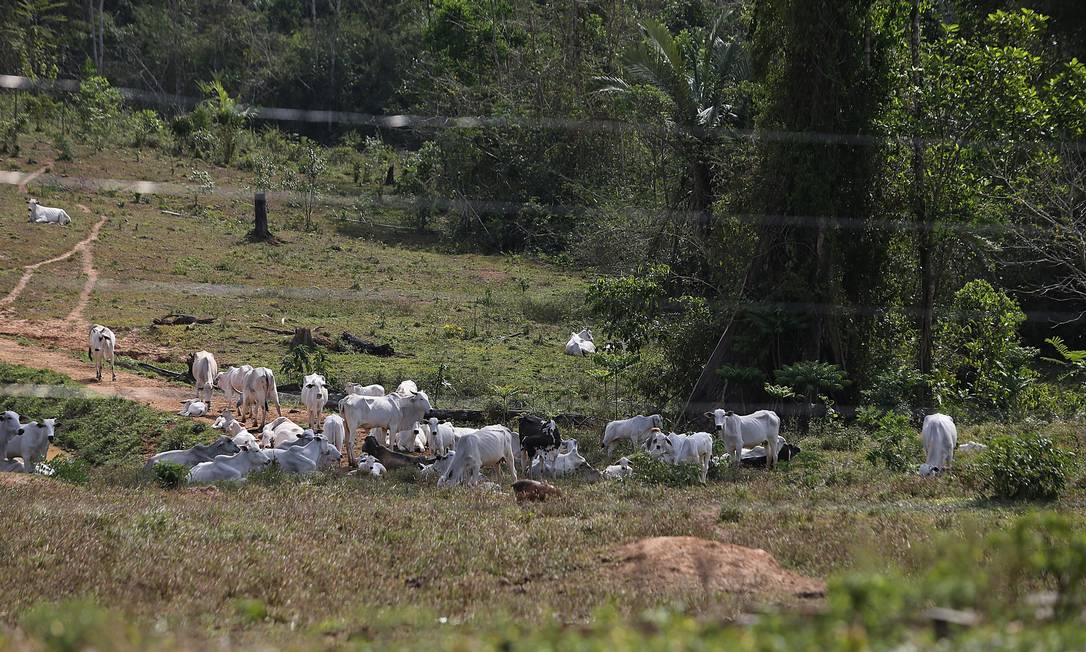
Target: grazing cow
(465, 464)
(537, 434)
(940, 437)
(392, 413)
(317, 453)
(748, 430)
(580, 344)
(190, 457)
(278, 431)
(193, 408)
(101, 344)
(232, 384)
(314, 396)
(39, 214)
(530, 490)
(259, 390)
(391, 459)
(683, 449)
(31, 443)
(412, 440)
(363, 390)
(230, 467)
(204, 371)
(620, 470)
(369, 465)
(334, 430)
(636, 430)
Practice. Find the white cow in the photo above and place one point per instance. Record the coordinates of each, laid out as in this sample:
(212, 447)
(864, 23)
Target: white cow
(101, 344)
(234, 429)
(443, 436)
(971, 447)
(940, 437)
(393, 413)
(369, 465)
(497, 446)
(232, 384)
(335, 430)
(363, 390)
(749, 430)
(620, 470)
(204, 372)
(580, 344)
(193, 408)
(31, 443)
(413, 439)
(318, 453)
(464, 464)
(229, 467)
(39, 214)
(190, 457)
(636, 430)
(279, 431)
(314, 397)
(259, 390)
(683, 449)
(9, 427)
(406, 389)
(564, 463)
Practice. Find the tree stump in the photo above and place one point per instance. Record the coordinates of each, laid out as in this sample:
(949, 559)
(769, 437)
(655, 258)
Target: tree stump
(302, 337)
(260, 232)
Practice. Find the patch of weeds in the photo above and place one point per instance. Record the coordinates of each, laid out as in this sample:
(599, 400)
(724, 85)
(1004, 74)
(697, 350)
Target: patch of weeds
(170, 475)
(74, 625)
(652, 471)
(730, 514)
(251, 610)
(72, 470)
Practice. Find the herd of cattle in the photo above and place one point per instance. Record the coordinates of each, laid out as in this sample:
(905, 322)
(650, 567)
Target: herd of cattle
(400, 432)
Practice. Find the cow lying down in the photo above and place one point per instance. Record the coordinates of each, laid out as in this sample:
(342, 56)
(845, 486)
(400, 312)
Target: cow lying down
(757, 457)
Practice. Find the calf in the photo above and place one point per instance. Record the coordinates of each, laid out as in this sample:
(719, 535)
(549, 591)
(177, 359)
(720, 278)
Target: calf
(232, 384)
(390, 459)
(39, 214)
(683, 449)
(368, 465)
(31, 443)
(636, 430)
(334, 430)
(193, 408)
(537, 434)
(314, 397)
(233, 428)
(204, 371)
(101, 344)
(442, 437)
(190, 457)
(230, 467)
(412, 440)
(580, 344)
(258, 391)
(619, 470)
(748, 430)
(940, 437)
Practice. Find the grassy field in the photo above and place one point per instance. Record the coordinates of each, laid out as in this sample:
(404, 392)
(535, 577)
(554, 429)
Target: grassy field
(474, 321)
(103, 556)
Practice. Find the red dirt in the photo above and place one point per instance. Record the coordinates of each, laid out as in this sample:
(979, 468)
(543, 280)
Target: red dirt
(665, 565)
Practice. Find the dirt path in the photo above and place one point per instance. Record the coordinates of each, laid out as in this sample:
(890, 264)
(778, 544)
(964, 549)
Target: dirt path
(34, 175)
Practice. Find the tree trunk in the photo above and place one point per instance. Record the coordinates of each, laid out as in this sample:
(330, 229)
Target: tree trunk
(260, 224)
(706, 392)
(925, 236)
(702, 196)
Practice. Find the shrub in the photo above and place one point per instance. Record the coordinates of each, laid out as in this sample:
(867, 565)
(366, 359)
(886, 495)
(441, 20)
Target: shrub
(901, 389)
(1027, 467)
(71, 470)
(170, 475)
(74, 625)
(895, 443)
(655, 472)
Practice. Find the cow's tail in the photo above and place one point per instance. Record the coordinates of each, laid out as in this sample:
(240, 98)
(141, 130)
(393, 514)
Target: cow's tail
(272, 392)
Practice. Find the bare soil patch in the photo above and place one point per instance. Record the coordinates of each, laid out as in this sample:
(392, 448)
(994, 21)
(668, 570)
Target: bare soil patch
(679, 564)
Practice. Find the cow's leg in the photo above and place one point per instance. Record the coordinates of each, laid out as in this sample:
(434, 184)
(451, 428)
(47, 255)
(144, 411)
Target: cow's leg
(772, 449)
(349, 435)
(113, 366)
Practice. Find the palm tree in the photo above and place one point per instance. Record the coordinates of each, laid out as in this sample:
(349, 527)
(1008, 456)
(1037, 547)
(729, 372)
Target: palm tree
(697, 81)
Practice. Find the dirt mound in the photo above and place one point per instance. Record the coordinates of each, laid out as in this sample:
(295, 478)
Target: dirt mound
(673, 564)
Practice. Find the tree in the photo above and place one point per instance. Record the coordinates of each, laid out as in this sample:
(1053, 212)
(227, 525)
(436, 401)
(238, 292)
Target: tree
(311, 167)
(227, 117)
(699, 75)
(99, 108)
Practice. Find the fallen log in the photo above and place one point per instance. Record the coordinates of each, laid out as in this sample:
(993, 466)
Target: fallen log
(362, 346)
(177, 320)
(163, 372)
(277, 331)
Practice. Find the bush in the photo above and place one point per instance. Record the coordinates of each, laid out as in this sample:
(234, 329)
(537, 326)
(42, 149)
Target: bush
(1027, 467)
(655, 472)
(75, 625)
(895, 442)
(70, 470)
(170, 475)
(899, 389)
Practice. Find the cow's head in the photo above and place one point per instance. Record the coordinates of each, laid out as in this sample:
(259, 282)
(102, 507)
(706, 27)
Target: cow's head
(718, 416)
(585, 335)
(315, 380)
(659, 444)
(927, 470)
(9, 422)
